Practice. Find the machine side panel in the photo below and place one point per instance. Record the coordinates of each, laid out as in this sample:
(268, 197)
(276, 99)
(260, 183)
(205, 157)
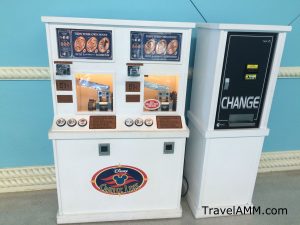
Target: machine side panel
(206, 74)
(225, 183)
(194, 165)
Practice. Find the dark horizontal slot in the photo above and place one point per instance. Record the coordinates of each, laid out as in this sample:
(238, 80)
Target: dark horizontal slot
(241, 118)
(241, 124)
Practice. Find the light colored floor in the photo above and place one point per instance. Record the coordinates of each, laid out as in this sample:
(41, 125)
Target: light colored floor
(272, 190)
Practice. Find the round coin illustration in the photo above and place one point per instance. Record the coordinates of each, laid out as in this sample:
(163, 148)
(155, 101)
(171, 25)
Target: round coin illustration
(161, 47)
(91, 44)
(103, 45)
(149, 46)
(172, 47)
(79, 44)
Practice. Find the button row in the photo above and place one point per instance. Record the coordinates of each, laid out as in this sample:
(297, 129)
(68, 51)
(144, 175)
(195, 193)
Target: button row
(138, 122)
(71, 122)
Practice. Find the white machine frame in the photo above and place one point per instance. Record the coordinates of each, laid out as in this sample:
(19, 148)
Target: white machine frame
(76, 148)
(221, 165)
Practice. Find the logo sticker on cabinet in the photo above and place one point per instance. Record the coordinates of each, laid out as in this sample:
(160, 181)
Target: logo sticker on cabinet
(119, 180)
(151, 104)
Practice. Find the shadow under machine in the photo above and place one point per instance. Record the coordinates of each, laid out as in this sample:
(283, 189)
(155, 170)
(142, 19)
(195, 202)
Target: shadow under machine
(235, 72)
(119, 130)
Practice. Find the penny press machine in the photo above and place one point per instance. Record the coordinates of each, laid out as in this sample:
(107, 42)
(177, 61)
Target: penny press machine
(235, 73)
(119, 131)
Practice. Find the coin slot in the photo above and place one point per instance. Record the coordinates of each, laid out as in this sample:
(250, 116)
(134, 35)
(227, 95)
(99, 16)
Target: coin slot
(226, 83)
(104, 149)
(169, 147)
(252, 67)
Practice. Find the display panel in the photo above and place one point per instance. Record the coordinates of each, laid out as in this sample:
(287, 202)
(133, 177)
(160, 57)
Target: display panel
(247, 63)
(94, 92)
(160, 93)
(87, 44)
(102, 122)
(168, 122)
(153, 46)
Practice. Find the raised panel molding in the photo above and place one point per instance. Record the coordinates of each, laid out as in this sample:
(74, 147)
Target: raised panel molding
(42, 73)
(27, 179)
(24, 73)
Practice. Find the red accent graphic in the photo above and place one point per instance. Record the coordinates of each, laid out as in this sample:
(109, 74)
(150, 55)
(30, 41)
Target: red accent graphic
(151, 104)
(112, 180)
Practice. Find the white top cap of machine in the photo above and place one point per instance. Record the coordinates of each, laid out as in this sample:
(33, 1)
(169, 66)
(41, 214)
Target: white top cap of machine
(112, 22)
(244, 27)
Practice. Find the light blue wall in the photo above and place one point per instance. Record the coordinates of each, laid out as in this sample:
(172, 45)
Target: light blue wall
(284, 119)
(26, 106)
(26, 115)
(23, 39)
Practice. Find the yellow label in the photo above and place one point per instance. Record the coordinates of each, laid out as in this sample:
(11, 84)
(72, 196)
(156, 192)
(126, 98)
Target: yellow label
(252, 66)
(250, 77)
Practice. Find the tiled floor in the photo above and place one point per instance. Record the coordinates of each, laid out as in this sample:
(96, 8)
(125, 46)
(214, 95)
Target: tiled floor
(272, 190)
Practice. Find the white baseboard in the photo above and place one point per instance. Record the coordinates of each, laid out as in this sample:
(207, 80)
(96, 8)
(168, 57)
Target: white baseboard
(43, 177)
(27, 179)
(42, 73)
(279, 161)
(117, 216)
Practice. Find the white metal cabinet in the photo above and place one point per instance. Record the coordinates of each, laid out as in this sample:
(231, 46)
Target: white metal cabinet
(79, 160)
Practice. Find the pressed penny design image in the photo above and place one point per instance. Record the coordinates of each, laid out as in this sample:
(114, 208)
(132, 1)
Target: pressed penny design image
(172, 47)
(104, 44)
(161, 47)
(91, 44)
(79, 44)
(149, 46)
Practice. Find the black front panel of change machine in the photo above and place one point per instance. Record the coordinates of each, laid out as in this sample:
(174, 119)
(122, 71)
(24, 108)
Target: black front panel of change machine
(247, 63)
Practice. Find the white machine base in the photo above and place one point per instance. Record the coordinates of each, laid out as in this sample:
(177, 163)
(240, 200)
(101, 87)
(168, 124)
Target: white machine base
(199, 212)
(117, 216)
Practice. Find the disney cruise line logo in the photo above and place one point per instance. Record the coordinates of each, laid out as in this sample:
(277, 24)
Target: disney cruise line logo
(119, 180)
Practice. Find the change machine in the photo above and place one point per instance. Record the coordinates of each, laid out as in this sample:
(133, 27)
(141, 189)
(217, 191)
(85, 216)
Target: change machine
(234, 78)
(119, 131)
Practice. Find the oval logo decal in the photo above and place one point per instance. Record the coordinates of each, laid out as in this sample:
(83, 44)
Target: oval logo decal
(151, 104)
(119, 180)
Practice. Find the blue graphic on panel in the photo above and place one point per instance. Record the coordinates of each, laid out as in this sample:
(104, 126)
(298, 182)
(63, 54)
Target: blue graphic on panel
(151, 46)
(86, 44)
(64, 43)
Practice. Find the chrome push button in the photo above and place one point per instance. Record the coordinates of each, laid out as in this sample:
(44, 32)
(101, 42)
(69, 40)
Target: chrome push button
(71, 122)
(139, 122)
(60, 122)
(148, 122)
(82, 122)
(129, 122)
